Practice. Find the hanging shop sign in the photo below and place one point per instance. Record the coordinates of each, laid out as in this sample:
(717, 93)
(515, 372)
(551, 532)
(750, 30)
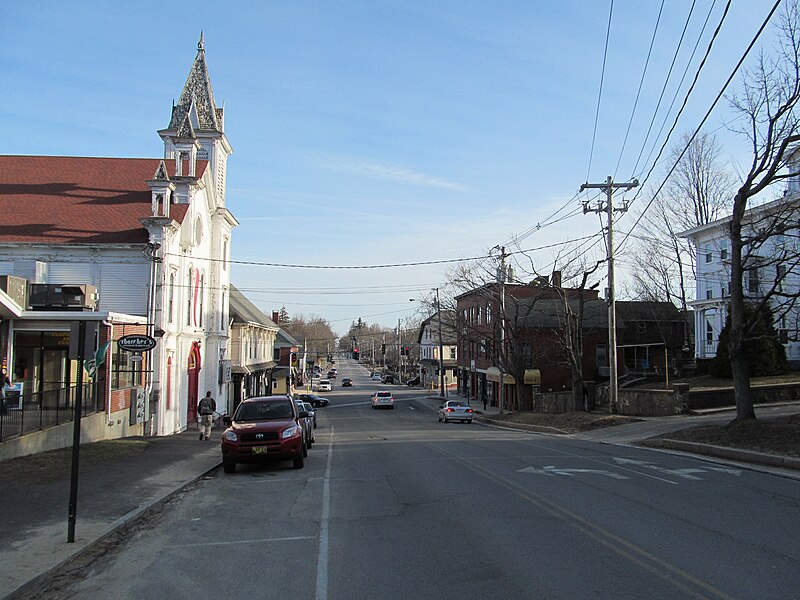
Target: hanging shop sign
(136, 343)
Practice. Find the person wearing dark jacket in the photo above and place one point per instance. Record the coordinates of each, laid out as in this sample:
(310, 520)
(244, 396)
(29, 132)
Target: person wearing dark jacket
(205, 411)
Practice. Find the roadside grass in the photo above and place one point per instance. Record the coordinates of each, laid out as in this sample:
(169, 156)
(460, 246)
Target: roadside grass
(780, 436)
(571, 422)
(711, 382)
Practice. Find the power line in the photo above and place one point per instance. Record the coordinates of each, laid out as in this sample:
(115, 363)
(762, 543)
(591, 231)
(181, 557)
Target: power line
(680, 84)
(708, 113)
(600, 92)
(666, 82)
(639, 91)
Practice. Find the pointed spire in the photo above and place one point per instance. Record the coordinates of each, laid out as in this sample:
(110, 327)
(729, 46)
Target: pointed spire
(161, 172)
(185, 131)
(198, 89)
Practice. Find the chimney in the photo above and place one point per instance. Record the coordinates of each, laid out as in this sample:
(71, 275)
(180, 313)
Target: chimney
(275, 316)
(556, 279)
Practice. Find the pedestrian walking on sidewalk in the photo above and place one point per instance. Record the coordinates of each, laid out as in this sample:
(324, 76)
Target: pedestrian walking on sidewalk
(206, 409)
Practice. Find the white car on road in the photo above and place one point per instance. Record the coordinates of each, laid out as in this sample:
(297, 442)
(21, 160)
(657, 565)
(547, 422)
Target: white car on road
(324, 385)
(382, 400)
(454, 410)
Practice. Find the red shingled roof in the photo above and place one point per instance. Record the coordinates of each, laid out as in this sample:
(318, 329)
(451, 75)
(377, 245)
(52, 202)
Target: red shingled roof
(67, 199)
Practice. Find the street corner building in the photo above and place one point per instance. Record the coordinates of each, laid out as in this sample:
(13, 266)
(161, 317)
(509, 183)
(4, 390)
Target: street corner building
(132, 246)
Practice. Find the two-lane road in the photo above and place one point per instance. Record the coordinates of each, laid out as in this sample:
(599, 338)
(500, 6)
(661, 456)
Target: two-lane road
(394, 505)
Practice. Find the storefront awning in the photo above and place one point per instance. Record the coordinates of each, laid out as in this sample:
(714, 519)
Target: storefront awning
(532, 376)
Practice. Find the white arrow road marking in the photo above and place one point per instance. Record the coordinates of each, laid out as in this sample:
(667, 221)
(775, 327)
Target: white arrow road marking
(736, 472)
(683, 473)
(552, 470)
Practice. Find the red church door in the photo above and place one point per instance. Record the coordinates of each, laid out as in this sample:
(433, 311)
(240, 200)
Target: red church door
(194, 376)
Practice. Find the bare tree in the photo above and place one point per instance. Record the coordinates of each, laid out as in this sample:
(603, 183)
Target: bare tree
(314, 331)
(698, 192)
(767, 106)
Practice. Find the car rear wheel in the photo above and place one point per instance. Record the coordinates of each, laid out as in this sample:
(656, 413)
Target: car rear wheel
(439, 417)
(228, 466)
(469, 421)
(298, 462)
(305, 451)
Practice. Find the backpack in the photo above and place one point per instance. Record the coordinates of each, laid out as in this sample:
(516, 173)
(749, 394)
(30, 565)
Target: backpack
(206, 406)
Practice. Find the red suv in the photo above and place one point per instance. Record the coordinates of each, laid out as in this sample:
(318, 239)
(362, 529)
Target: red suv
(264, 428)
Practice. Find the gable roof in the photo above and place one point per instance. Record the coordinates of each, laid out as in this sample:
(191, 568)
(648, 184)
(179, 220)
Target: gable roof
(244, 311)
(68, 199)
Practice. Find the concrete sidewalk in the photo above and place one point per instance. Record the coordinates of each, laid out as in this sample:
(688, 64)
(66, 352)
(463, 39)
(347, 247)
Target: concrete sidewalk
(33, 530)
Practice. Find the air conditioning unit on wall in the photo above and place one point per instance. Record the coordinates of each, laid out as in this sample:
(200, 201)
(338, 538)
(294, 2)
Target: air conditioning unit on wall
(48, 296)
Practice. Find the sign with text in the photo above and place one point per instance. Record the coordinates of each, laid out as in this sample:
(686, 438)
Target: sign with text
(136, 343)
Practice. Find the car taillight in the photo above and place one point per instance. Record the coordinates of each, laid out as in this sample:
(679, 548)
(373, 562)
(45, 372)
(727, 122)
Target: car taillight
(451, 410)
(469, 410)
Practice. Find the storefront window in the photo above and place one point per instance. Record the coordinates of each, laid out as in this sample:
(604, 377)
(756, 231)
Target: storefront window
(125, 373)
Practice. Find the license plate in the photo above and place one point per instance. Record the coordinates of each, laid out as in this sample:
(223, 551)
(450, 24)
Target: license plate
(260, 450)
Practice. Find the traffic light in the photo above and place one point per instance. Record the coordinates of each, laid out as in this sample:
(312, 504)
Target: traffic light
(407, 351)
(383, 348)
(355, 353)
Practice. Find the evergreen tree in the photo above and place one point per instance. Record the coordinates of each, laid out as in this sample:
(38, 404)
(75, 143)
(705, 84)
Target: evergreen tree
(764, 353)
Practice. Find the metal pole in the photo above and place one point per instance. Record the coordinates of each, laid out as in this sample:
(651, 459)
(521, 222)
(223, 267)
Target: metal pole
(442, 390)
(76, 438)
(501, 353)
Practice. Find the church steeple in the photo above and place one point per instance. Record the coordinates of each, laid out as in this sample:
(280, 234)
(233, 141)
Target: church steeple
(196, 127)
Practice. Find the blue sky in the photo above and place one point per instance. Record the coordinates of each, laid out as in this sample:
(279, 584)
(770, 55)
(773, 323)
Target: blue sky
(374, 132)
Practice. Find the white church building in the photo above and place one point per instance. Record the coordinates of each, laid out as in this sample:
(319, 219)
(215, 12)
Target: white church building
(135, 246)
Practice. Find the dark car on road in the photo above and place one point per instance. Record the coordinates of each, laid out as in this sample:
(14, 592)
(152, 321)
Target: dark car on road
(264, 428)
(314, 400)
(347, 382)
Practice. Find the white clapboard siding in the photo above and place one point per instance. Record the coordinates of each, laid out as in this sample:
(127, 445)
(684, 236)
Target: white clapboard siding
(124, 288)
(75, 273)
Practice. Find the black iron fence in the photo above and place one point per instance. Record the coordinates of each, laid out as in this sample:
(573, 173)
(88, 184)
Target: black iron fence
(26, 413)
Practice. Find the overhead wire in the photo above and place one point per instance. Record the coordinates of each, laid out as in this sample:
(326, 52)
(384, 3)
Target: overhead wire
(708, 112)
(639, 91)
(679, 86)
(666, 83)
(600, 92)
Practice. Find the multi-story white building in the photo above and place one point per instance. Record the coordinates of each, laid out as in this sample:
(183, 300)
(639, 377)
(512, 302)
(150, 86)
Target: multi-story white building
(153, 236)
(429, 359)
(771, 269)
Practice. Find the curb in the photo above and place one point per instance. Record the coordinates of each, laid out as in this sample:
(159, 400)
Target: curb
(520, 426)
(120, 525)
(748, 456)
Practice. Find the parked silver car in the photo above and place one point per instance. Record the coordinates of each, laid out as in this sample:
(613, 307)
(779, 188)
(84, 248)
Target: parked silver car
(307, 424)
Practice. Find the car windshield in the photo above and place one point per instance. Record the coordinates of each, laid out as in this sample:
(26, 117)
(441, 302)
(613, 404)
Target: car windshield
(262, 411)
(383, 394)
(455, 404)
(308, 407)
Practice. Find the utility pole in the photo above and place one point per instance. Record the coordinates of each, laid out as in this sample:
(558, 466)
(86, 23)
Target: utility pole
(399, 347)
(501, 354)
(442, 391)
(608, 187)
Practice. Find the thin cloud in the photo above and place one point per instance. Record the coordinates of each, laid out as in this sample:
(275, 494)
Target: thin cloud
(394, 173)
